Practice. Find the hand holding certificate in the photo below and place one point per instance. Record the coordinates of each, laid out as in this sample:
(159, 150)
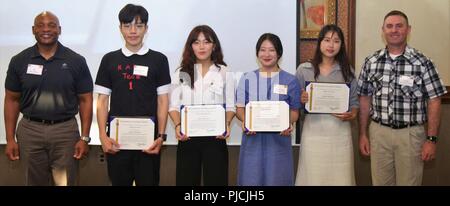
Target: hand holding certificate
(202, 120)
(132, 133)
(327, 97)
(266, 116)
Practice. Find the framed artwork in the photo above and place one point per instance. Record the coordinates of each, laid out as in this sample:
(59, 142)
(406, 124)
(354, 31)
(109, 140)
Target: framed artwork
(314, 14)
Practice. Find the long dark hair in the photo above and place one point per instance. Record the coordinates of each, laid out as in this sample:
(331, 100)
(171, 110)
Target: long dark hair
(341, 56)
(189, 58)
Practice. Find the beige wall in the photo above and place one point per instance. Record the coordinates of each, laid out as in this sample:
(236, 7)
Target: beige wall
(430, 21)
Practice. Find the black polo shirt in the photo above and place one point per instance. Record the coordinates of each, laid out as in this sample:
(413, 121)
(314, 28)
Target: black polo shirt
(49, 88)
(133, 95)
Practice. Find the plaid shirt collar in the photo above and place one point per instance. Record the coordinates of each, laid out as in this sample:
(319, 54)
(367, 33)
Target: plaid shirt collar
(409, 54)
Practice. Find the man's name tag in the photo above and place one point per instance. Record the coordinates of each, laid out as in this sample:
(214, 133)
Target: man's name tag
(140, 70)
(406, 80)
(280, 89)
(35, 69)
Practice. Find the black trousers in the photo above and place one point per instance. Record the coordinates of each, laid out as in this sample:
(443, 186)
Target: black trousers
(206, 155)
(127, 166)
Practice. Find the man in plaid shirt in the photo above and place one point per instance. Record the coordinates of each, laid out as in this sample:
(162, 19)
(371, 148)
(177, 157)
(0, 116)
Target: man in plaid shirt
(400, 88)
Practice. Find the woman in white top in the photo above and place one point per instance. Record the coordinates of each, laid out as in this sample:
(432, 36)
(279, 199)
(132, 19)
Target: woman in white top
(202, 62)
(326, 150)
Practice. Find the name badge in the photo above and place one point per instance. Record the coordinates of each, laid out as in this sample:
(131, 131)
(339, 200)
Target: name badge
(280, 89)
(140, 70)
(35, 69)
(406, 80)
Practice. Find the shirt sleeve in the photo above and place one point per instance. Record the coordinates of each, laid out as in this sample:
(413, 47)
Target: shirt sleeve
(12, 81)
(364, 86)
(230, 92)
(103, 79)
(432, 82)
(354, 102)
(163, 81)
(301, 81)
(294, 94)
(241, 93)
(84, 81)
(175, 93)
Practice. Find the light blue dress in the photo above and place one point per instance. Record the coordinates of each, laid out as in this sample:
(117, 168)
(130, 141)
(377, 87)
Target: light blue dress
(265, 159)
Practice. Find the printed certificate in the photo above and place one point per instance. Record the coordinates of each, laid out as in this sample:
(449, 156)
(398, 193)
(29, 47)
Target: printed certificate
(266, 116)
(327, 97)
(202, 120)
(132, 133)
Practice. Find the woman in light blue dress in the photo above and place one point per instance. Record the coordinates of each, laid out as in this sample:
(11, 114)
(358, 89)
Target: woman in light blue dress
(265, 158)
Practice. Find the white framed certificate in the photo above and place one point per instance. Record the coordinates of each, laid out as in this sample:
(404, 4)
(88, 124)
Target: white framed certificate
(132, 133)
(327, 97)
(266, 116)
(202, 120)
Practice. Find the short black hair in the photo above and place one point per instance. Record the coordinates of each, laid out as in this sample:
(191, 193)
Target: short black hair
(396, 13)
(274, 39)
(131, 11)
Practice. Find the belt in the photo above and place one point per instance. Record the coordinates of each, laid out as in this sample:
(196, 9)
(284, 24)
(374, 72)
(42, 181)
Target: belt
(44, 121)
(396, 126)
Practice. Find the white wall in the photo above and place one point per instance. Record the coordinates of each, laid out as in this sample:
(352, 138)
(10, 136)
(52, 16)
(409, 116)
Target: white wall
(91, 28)
(430, 21)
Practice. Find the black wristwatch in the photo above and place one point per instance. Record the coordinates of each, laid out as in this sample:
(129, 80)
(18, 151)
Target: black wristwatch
(86, 139)
(163, 136)
(432, 139)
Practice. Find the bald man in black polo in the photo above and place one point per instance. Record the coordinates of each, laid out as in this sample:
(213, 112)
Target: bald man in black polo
(49, 84)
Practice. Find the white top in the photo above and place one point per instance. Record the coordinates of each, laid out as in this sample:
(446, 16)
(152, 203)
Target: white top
(393, 56)
(142, 51)
(216, 87)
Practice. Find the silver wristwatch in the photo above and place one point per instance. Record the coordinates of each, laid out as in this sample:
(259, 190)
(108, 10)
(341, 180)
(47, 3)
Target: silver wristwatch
(86, 139)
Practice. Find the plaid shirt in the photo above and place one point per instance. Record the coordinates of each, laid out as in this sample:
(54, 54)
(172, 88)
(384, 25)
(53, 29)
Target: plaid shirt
(399, 87)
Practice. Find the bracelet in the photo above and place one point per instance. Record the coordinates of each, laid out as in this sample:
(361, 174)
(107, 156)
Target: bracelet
(179, 124)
